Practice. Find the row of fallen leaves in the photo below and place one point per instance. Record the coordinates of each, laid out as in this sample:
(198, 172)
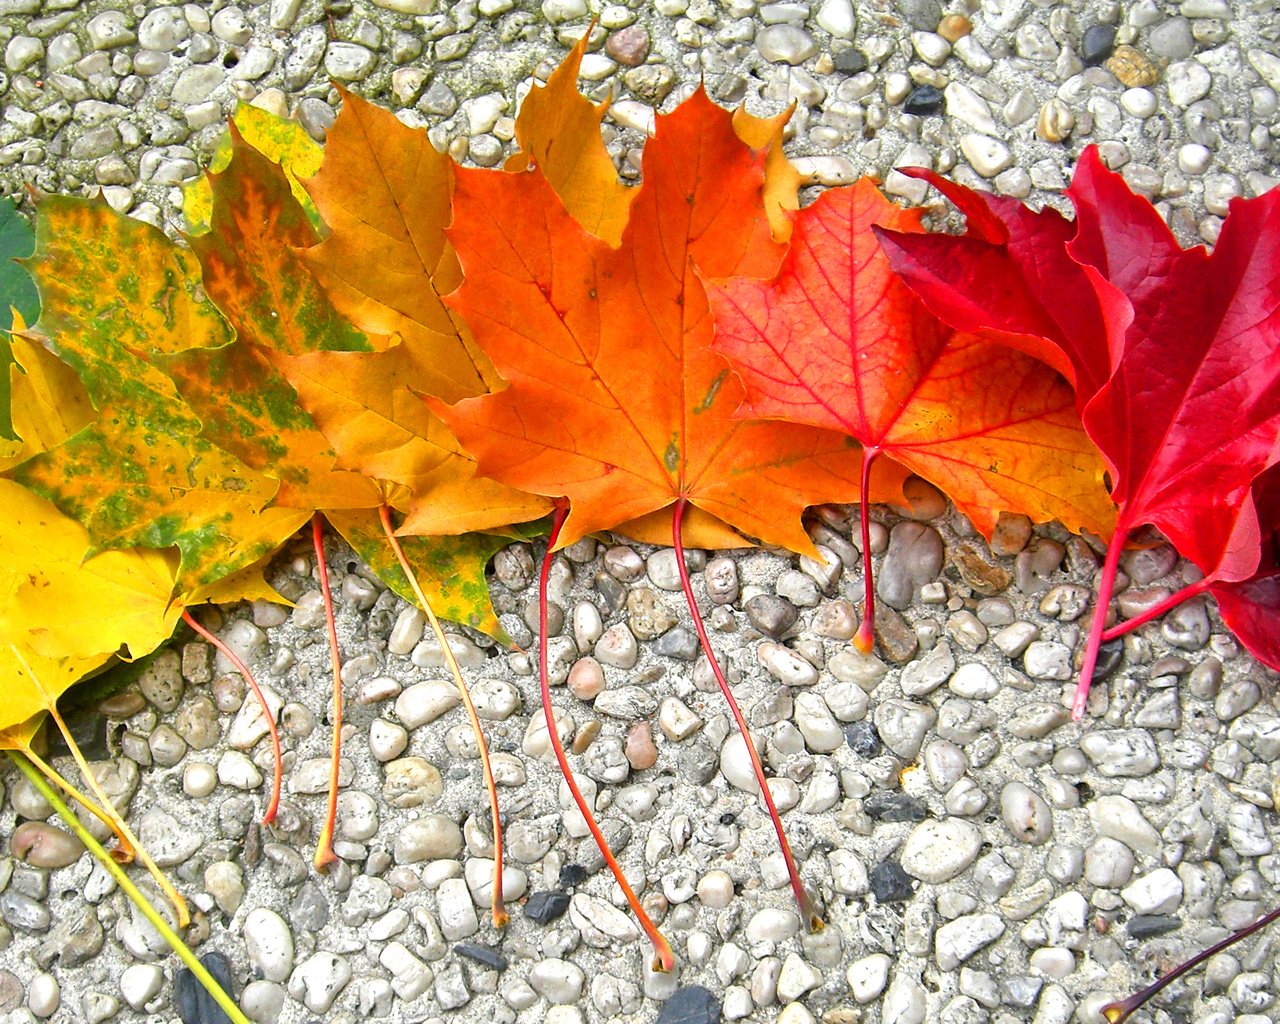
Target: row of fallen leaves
(370, 331)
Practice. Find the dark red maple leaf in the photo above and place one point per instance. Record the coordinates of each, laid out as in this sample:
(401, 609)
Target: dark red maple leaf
(1181, 389)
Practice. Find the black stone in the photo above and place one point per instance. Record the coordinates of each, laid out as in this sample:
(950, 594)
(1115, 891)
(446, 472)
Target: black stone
(923, 99)
(1095, 46)
(691, 1005)
(571, 875)
(195, 1005)
(486, 955)
(891, 884)
(545, 907)
(863, 739)
(894, 807)
(850, 61)
(1110, 655)
(1148, 926)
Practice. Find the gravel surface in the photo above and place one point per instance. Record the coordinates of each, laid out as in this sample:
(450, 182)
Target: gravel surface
(980, 857)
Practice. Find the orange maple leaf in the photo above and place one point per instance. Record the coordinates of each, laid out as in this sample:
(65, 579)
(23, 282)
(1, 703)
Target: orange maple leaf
(614, 398)
(836, 340)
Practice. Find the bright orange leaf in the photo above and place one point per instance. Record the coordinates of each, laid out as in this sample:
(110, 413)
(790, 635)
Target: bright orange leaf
(614, 398)
(835, 340)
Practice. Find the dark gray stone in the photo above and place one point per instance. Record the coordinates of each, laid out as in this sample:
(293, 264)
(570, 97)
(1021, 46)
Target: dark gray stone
(890, 883)
(195, 1005)
(486, 955)
(691, 1005)
(545, 907)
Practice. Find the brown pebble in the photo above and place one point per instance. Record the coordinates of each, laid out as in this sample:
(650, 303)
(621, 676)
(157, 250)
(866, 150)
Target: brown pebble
(628, 45)
(983, 577)
(1055, 121)
(586, 678)
(43, 846)
(586, 736)
(122, 705)
(639, 747)
(954, 26)
(1131, 67)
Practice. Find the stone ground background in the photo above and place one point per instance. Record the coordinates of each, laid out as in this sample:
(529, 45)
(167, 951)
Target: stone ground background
(981, 857)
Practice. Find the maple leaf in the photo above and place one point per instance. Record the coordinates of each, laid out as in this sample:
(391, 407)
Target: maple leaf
(368, 404)
(384, 191)
(558, 131)
(614, 398)
(281, 140)
(18, 292)
(48, 404)
(836, 341)
(118, 294)
(1006, 278)
(61, 603)
(1187, 413)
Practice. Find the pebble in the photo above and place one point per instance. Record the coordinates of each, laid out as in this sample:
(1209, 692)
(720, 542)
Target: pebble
(1108, 863)
(904, 1002)
(425, 702)
(889, 883)
(1121, 753)
(785, 44)
(1159, 892)
(44, 995)
(348, 62)
(269, 944)
(1025, 814)
(986, 155)
(901, 725)
(958, 940)
(937, 851)
(544, 907)
(431, 837)
(140, 983)
(43, 846)
(914, 558)
(691, 1004)
(319, 979)
(557, 981)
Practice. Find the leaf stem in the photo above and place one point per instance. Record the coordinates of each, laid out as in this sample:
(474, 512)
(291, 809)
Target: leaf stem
(121, 827)
(270, 815)
(865, 639)
(1156, 610)
(664, 960)
(500, 915)
(156, 920)
(1096, 628)
(123, 853)
(324, 845)
(1118, 1012)
(803, 900)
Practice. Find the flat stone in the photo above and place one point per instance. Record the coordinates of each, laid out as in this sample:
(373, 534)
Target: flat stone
(785, 44)
(937, 851)
(958, 940)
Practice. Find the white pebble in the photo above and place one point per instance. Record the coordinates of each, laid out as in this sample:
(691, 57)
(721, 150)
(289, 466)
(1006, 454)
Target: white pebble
(44, 995)
(387, 740)
(867, 977)
(269, 944)
(140, 983)
(1139, 102)
(986, 155)
(237, 771)
(958, 940)
(425, 702)
(937, 851)
(904, 1003)
(198, 779)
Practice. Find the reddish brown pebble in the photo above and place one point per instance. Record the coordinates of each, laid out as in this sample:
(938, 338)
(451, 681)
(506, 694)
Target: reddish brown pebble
(586, 736)
(122, 705)
(586, 678)
(43, 846)
(639, 748)
(954, 26)
(628, 45)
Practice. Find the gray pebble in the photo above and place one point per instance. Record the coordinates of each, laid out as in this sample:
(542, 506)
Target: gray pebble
(1121, 753)
(1025, 814)
(914, 558)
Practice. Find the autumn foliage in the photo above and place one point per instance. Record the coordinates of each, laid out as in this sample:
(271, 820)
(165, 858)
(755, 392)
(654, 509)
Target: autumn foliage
(372, 337)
